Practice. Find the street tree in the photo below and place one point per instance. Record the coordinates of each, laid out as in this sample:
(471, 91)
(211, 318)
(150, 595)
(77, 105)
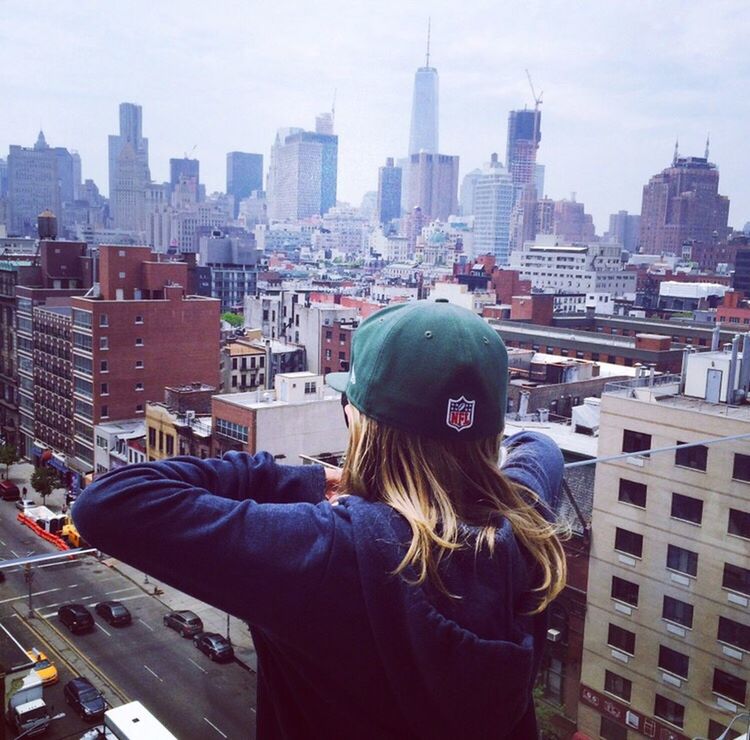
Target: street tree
(44, 481)
(8, 456)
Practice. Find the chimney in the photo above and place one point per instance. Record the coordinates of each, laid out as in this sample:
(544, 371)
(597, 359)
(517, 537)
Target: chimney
(715, 338)
(732, 380)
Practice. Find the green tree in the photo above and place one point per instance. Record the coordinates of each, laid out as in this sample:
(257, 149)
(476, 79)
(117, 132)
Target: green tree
(232, 318)
(44, 481)
(8, 456)
(545, 715)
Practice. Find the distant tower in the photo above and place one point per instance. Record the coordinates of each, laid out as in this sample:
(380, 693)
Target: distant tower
(423, 136)
(681, 204)
(244, 175)
(492, 206)
(389, 192)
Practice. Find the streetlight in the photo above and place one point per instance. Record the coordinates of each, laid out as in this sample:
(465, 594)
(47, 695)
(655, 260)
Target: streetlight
(743, 717)
(43, 720)
(28, 574)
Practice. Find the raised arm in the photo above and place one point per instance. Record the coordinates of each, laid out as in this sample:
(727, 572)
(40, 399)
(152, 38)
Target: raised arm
(195, 525)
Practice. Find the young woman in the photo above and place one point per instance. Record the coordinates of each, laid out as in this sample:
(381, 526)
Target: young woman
(403, 598)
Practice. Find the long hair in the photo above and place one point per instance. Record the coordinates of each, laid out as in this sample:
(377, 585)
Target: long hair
(438, 486)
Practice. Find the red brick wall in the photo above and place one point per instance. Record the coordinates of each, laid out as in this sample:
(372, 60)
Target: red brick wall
(62, 261)
(507, 284)
(157, 274)
(238, 415)
(115, 261)
(180, 345)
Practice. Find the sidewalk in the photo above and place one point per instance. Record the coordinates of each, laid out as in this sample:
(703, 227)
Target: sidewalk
(213, 619)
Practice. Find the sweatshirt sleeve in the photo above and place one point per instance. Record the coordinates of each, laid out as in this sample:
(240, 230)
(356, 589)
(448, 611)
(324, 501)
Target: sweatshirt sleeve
(535, 461)
(203, 527)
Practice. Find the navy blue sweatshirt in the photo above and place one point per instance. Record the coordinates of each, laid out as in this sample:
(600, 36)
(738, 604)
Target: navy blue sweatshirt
(345, 649)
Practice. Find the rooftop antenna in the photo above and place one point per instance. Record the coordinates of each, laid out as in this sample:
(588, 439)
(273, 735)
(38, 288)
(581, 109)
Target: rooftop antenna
(537, 103)
(429, 23)
(187, 154)
(676, 151)
(707, 143)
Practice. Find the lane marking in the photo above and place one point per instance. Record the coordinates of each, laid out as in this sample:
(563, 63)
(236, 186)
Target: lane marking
(215, 727)
(156, 676)
(2, 543)
(74, 585)
(145, 624)
(199, 667)
(103, 630)
(134, 596)
(26, 596)
(15, 553)
(120, 590)
(252, 709)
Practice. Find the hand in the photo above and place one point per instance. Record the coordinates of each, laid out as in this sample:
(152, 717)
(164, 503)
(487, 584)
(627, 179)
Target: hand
(333, 478)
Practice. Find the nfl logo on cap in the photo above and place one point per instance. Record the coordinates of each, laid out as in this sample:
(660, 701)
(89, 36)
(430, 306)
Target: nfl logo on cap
(460, 414)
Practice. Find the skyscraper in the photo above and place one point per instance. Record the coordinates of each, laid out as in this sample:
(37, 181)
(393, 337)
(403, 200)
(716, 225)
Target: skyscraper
(389, 192)
(302, 173)
(185, 167)
(524, 135)
(682, 203)
(433, 185)
(244, 175)
(128, 170)
(34, 183)
(492, 206)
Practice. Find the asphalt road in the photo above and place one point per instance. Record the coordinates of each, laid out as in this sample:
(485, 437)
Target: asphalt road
(192, 696)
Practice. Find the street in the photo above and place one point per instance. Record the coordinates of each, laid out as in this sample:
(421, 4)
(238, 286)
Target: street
(192, 696)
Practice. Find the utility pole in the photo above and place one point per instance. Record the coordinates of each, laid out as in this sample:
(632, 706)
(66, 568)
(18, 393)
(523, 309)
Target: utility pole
(28, 574)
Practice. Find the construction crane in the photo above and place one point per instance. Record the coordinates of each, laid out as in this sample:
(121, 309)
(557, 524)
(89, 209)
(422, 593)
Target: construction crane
(537, 103)
(187, 154)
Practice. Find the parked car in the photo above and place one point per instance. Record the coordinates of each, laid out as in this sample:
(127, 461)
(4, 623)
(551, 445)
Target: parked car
(87, 700)
(113, 612)
(9, 490)
(24, 503)
(76, 617)
(185, 622)
(214, 645)
(43, 666)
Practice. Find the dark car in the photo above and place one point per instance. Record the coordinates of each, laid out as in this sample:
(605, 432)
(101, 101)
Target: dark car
(9, 490)
(113, 612)
(214, 645)
(185, 622)
(76, 617)
(88, 701)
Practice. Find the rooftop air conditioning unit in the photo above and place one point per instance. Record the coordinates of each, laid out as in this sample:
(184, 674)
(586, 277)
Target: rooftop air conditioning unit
(553, 635)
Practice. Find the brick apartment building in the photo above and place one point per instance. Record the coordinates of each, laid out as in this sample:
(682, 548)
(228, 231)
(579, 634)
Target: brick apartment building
(140, 334)
(336, 345)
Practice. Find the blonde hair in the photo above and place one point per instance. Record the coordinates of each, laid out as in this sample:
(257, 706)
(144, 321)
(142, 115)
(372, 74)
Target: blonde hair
(440, 485)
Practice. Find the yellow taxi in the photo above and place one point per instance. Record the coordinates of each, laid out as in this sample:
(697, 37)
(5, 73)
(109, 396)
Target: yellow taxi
(43, 666)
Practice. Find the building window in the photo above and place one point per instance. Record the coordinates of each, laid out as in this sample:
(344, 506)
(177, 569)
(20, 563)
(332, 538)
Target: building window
(677, 611)
(552, 675)
(736, 578)
(105, 411)
(139, 342)
(673, 662)
(139, 319)
(635, 441)
(151, 438)
(342, 337)
(611, 730)
(103, 342)
(687, 508)
(139, 386)
(104, 389)
(121, 275)
(623, 590)
(629, 542)
(139, 364)
(734, 633)
(669, 710)
(104, 366)
(729, 686)
(741, 469)
(311, 387)
(692, 457)
(739, 523)
(621, 639)
(103, 320)
(617, 685)
(231, 430)
(684, 561)
(139, 408)
(632, 493)
(170, 445)
(101, 442)
(328, 354)
(342, 355)
(329, 334)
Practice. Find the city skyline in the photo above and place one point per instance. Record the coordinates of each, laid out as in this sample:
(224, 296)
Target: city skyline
(620, 84)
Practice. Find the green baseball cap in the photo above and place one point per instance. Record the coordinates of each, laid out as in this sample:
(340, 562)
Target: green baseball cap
(427, 367)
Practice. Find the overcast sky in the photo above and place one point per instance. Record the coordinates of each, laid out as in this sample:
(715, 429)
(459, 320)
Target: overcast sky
(621, 81)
